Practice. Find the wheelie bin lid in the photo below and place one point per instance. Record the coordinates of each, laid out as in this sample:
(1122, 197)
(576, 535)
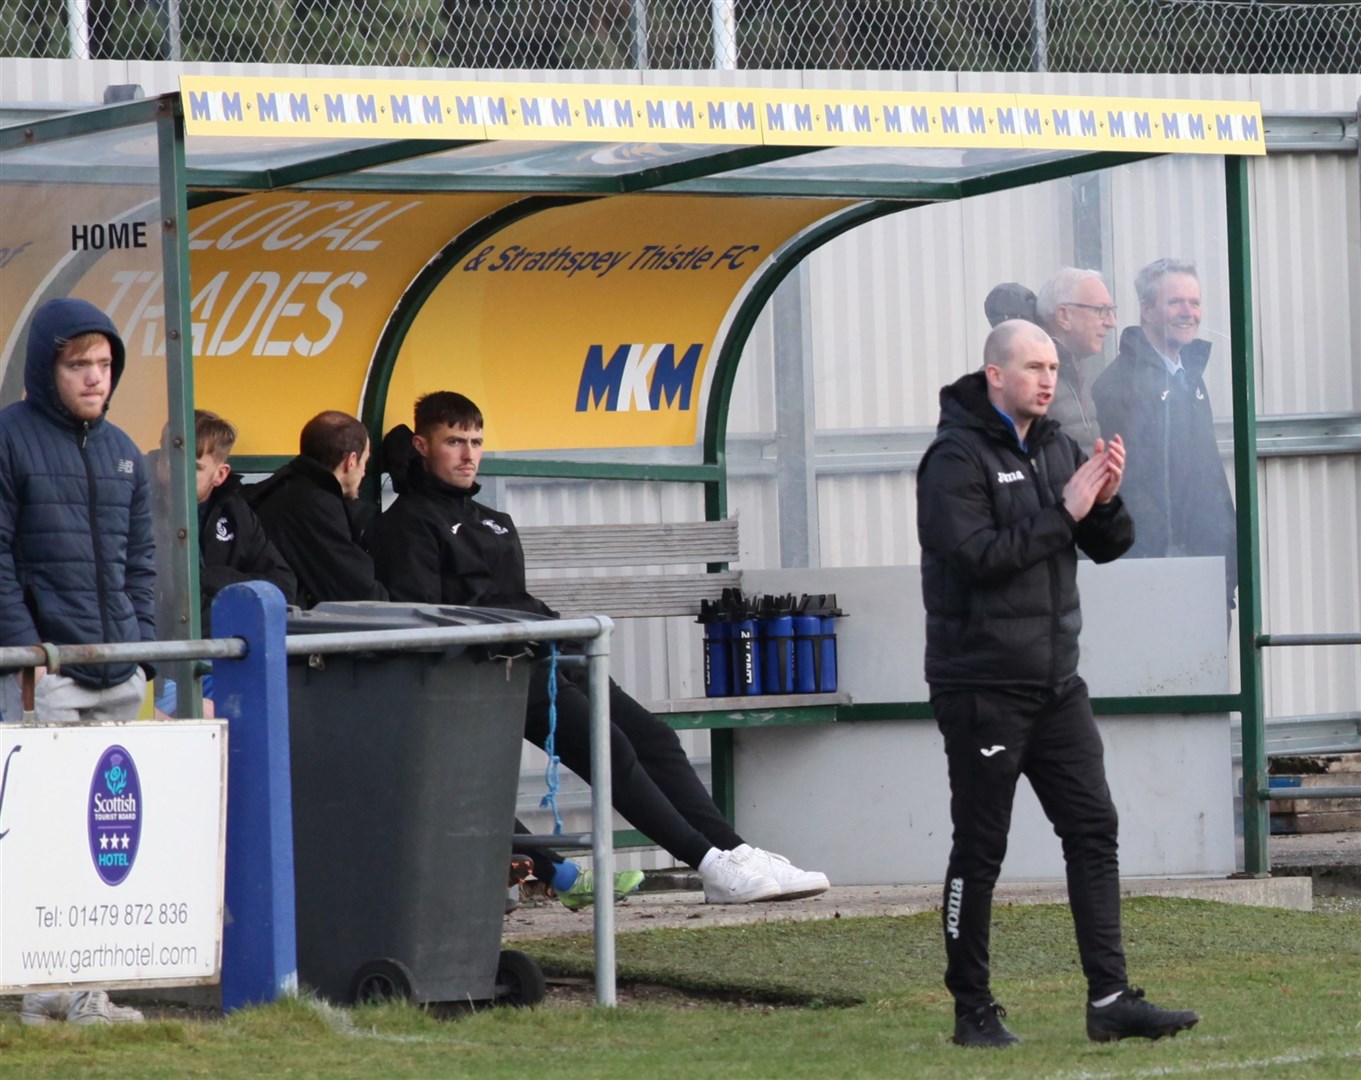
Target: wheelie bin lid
(340, 617)
(334, 617)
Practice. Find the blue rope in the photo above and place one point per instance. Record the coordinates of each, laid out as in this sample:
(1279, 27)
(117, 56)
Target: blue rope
(550, 744)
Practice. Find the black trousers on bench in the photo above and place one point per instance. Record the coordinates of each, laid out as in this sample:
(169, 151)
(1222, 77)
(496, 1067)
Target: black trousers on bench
(655, 786)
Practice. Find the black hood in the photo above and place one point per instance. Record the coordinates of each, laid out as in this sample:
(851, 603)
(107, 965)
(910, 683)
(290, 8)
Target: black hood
(418, 478)
(964, 403)
(57, 321)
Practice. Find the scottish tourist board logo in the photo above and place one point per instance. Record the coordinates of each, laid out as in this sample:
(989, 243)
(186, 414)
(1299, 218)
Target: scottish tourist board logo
(115, 815)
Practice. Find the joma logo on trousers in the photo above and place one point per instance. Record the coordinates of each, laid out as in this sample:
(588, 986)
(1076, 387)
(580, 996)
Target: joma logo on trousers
(638, 378)
(952, 907)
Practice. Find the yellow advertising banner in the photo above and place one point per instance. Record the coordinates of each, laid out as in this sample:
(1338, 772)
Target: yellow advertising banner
(391, 109)
(593, 325)
(291, 293)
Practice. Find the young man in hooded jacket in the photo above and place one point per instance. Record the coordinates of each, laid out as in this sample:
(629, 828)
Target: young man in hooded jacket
(77, 555)
(1004, 500)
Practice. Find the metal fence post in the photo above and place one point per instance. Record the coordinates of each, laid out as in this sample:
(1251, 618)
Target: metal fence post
(259, 935)
(602, 811)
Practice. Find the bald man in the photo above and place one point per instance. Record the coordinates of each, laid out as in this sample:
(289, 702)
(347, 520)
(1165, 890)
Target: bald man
(1004, 501)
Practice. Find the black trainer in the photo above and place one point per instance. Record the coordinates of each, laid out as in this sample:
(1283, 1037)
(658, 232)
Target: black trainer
(983, 1027)
(1130, 1016)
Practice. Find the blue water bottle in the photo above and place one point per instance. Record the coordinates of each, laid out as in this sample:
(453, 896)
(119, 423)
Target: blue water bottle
(717, 650)
(746, 657)
(807, 631)
(777, 654)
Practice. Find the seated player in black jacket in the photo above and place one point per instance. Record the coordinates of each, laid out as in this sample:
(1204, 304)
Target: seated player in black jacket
(437, 544)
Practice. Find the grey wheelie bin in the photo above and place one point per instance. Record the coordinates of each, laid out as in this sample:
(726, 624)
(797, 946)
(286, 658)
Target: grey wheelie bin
(405, 766)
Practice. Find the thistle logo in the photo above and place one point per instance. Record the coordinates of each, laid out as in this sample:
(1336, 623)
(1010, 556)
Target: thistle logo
(114, 815)
(638, 378)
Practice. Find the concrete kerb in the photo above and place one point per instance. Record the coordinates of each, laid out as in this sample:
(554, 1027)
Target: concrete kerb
(673, 909)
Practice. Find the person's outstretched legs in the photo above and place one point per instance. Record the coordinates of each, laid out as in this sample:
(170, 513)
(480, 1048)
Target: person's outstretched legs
(728, 878)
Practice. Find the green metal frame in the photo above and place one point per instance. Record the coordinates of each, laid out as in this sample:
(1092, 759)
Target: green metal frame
(320, 168)
(179, 387)
(1256, 857)
(644, 179)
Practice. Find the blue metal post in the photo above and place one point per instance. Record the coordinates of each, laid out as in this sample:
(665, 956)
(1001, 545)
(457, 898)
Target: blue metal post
(259, 936)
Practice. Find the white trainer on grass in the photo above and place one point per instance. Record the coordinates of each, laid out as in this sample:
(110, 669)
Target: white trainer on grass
(730, 877)
(75, 1007)
(794, 883)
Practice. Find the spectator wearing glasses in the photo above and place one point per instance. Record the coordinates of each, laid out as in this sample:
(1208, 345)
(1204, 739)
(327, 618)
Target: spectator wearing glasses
(1075, 309)
(1154, 394)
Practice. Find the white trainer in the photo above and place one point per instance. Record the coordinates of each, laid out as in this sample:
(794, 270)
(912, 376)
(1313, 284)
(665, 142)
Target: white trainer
(46, 1008)
(794, 883)
(730, 877)
(94, 1007)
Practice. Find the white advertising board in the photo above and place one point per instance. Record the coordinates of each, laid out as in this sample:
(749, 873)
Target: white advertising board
(111, 854)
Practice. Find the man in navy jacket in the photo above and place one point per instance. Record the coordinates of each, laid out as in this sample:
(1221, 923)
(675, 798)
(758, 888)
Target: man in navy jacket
(77, 557)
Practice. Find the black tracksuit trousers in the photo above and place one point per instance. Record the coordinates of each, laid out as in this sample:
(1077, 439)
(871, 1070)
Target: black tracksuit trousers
(992, 737)
(654, 784)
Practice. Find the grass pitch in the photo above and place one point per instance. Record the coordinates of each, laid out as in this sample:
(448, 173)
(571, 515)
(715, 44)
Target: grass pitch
(1279, 993)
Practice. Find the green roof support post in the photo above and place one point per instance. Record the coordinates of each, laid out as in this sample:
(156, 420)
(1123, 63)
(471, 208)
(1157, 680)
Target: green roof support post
(1256, 856)
(174, 206)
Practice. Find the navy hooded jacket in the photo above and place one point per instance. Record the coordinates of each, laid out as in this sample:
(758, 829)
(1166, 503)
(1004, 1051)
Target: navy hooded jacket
(77, 557)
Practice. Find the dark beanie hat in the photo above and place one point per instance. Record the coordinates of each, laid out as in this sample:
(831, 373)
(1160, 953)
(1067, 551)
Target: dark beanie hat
(1009, 300)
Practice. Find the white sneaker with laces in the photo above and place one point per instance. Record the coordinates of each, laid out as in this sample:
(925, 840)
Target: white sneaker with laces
(730, 877)
(94, 1007)
(794, 883)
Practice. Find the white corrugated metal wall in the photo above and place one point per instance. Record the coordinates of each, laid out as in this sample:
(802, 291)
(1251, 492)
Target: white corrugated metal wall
(896, 312)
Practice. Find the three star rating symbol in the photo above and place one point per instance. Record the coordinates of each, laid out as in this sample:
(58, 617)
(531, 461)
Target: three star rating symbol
(116, 841)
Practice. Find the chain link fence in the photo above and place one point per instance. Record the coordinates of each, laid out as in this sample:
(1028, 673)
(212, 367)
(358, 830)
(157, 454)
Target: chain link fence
(1159, 36)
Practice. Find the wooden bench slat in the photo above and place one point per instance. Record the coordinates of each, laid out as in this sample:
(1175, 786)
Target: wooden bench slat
(633, 595)
(570, 546)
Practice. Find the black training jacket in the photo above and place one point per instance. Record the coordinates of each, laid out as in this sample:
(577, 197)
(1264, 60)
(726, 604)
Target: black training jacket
(999, 551)
(233, 547)
(317, 531)
(438, 545)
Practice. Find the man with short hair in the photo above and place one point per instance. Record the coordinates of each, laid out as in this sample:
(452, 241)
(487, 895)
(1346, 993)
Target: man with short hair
(1075, 308)
(310, 510)
(437, 544)
(77, 555)
(1004, 501)
(1154, 393)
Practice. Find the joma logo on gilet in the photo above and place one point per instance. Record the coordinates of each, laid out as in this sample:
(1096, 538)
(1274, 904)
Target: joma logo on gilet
(638, 378)
(1010, 477)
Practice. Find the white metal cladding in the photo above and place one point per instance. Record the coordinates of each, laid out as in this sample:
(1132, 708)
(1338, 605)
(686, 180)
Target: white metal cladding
(1311, 542)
